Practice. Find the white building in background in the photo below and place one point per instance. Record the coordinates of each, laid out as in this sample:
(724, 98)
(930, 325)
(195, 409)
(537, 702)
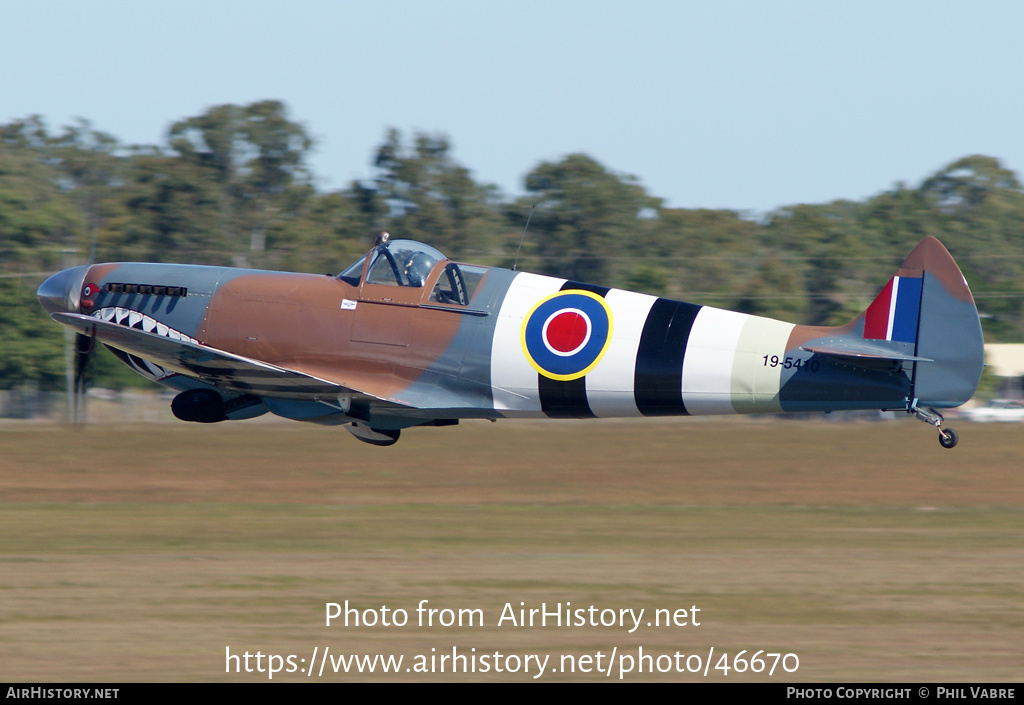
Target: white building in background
(1007, 363)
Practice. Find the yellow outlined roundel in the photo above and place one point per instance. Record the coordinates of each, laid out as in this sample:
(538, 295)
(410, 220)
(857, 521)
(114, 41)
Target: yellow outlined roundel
(580, 317)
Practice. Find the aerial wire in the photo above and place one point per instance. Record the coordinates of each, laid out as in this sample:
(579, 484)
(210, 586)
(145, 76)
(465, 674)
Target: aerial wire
(523, 237)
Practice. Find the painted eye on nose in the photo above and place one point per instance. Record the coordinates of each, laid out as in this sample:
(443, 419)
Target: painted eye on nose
(89, 292)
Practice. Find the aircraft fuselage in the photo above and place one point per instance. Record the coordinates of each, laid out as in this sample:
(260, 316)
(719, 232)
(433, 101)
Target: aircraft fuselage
(407, 347)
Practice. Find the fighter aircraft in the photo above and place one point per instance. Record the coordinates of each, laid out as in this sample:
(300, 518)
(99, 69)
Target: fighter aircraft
(406, 337)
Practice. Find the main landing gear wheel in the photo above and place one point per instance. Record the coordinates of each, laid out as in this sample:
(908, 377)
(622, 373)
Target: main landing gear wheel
(373, 436)
(948, 438)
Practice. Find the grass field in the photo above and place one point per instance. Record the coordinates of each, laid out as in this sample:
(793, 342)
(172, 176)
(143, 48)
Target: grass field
(144, 552)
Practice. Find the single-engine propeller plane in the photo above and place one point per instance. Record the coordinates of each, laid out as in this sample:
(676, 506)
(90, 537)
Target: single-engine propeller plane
(405, 337)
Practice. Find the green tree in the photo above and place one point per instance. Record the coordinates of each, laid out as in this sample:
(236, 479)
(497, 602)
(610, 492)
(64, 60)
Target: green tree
(91, 172)
(31, 345)
(431, 197)
(586, 219)
(978, 207)
(171, 212)
(710, 255)
(775, 291)
(832, 249)
(329, 233)
(37, 217)
(256, 156)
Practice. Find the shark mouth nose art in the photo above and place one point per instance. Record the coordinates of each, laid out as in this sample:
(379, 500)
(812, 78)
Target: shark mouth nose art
(140, 321)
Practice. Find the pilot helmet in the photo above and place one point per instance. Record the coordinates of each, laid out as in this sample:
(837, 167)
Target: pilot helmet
(417, 268)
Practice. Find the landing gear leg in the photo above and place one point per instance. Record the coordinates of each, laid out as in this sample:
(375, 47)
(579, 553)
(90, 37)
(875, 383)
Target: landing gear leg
(947, 437)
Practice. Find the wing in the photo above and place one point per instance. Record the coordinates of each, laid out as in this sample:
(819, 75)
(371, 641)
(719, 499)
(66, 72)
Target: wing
(216, 367)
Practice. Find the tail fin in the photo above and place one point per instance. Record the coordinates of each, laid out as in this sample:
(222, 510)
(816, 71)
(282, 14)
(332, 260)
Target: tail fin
(925, 315)
(948, 328)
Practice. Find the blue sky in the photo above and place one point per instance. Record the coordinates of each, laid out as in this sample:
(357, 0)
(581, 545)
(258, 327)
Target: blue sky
(743, 105)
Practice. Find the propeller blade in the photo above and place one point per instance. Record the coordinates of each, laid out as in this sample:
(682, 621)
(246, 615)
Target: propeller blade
(84, 345)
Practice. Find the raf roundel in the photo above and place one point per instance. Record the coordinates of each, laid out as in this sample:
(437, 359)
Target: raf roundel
(566, 334)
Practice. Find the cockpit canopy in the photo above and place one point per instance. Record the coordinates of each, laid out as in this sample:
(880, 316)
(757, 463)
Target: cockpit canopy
(398, 263)
(411, 264)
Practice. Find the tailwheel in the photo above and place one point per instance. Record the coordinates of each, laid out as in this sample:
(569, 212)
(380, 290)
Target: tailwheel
(948, 438)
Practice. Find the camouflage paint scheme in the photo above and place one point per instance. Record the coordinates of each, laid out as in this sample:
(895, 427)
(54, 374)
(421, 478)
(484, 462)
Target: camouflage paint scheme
(381, 348)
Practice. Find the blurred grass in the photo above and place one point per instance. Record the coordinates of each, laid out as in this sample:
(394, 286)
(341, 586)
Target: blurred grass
(140, 553)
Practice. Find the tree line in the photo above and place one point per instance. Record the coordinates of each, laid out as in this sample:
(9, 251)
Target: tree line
(232, 187)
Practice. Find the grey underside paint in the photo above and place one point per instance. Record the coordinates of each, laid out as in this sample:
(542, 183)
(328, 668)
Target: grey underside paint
(862, 374)
(845, 384)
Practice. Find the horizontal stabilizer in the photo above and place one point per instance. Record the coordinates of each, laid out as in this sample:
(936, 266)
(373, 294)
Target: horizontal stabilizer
(862, 351)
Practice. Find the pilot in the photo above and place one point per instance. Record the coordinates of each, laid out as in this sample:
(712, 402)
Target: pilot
(417, 268)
